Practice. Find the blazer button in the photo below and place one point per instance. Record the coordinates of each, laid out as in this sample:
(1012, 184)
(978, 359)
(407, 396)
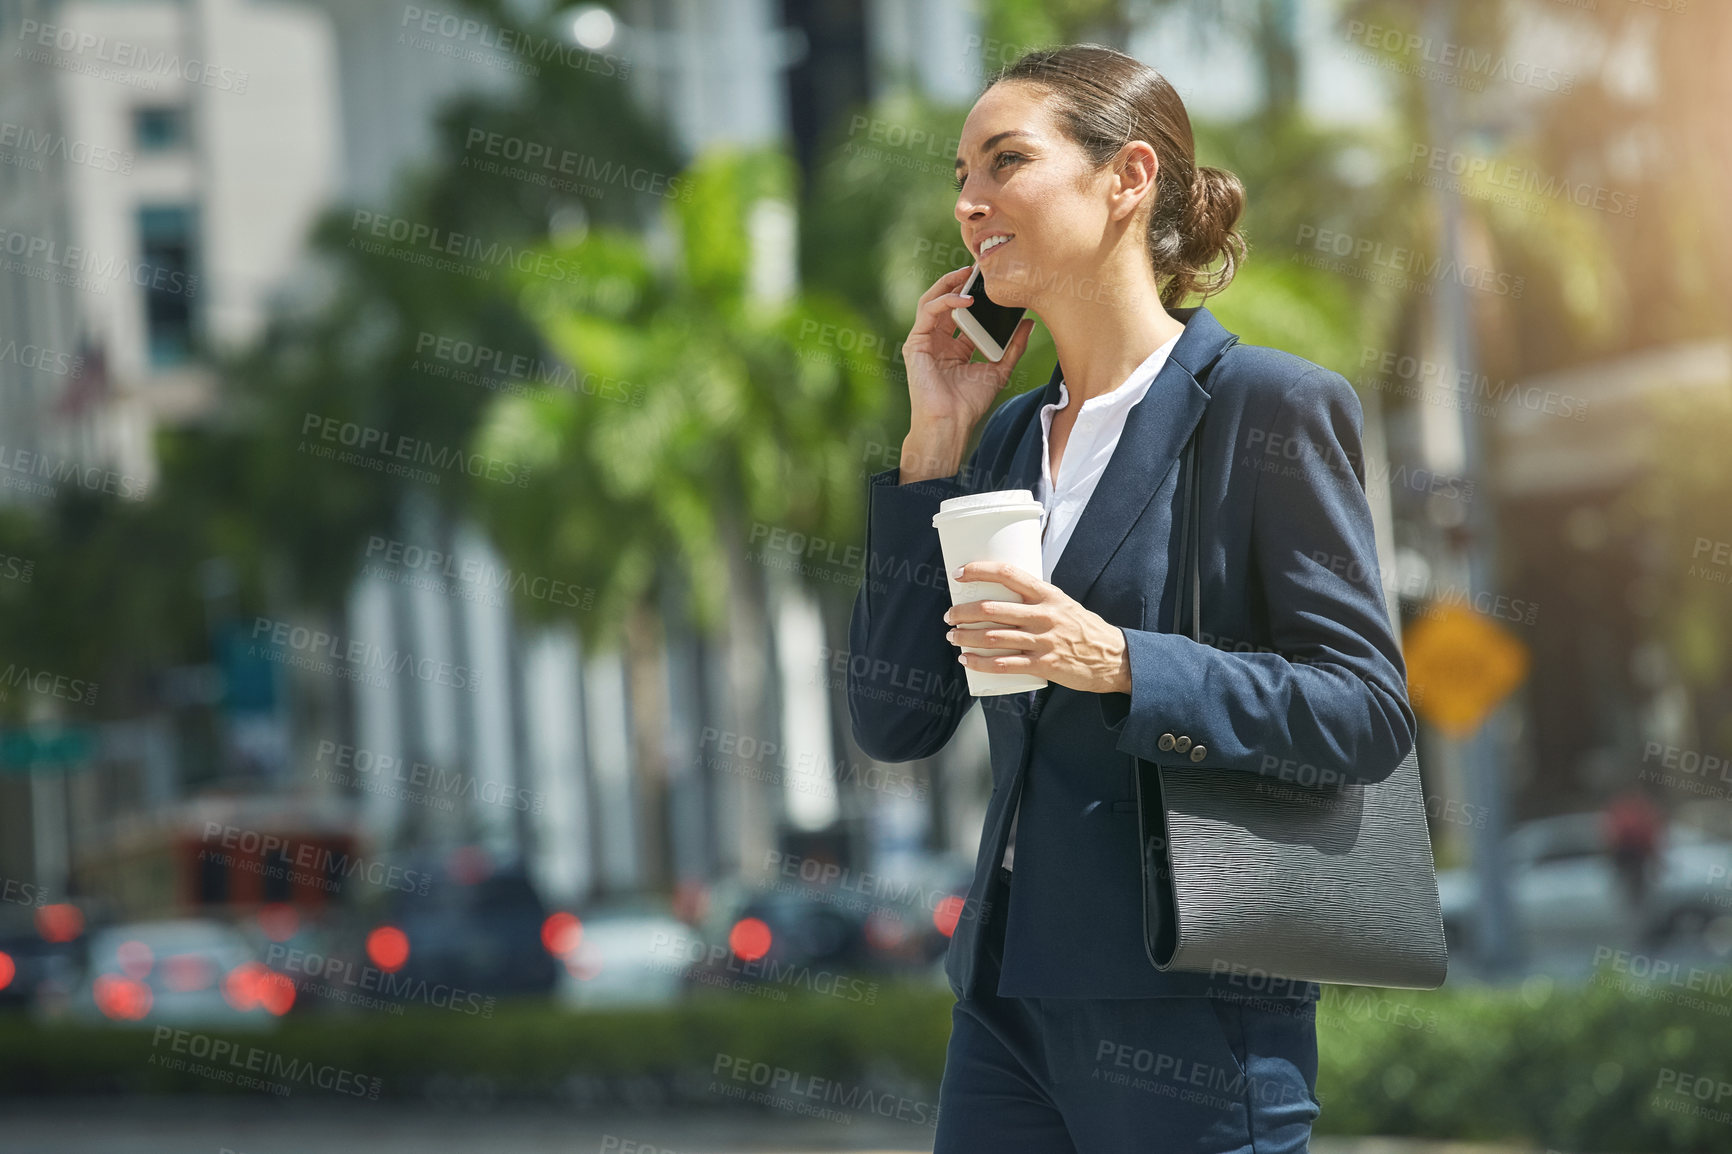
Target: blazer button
(1182, 744)
(1166, 741)
(1199, 752)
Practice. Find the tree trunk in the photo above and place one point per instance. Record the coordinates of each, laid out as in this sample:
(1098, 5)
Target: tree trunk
(743, 843)
(646, 681)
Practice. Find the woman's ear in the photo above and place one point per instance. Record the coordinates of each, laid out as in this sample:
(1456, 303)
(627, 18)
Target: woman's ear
(1136, 170)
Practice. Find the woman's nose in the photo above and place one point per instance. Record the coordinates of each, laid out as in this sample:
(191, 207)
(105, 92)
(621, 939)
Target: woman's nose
(967, 210)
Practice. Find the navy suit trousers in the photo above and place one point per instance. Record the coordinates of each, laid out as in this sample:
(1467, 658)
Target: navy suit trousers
(1186, 1074)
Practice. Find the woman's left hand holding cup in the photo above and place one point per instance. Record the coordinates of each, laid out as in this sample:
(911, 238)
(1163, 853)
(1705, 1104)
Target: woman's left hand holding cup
(1054, 635)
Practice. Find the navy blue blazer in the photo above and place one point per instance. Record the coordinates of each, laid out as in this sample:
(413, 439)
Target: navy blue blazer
(1298, 672)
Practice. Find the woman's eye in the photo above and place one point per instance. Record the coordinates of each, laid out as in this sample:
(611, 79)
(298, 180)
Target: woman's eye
(997, 163)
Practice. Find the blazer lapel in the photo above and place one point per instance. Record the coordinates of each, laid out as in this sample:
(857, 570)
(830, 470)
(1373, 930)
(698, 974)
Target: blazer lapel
(1024, 469)
(1154, 434)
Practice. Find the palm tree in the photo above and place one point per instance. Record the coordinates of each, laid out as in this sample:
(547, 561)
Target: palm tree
(705, 415)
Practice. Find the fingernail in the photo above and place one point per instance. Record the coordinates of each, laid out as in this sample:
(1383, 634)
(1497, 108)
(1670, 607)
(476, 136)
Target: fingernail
(957, 572)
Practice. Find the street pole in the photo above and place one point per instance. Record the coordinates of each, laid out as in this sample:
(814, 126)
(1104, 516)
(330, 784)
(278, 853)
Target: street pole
(1476, 545)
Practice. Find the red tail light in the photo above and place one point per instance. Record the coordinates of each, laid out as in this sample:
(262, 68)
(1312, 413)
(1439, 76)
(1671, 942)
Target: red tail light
(59, 922)
(749, 939)
(123, 999)
(252, 986)
(947, 914)
(276, 993)
(241, 986)
(561, 933)
(388, 948)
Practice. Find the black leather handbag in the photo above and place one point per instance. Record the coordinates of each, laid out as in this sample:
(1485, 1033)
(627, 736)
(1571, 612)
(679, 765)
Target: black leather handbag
(1247, 874)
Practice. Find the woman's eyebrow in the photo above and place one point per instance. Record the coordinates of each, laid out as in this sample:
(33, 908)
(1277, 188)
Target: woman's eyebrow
(992, 140)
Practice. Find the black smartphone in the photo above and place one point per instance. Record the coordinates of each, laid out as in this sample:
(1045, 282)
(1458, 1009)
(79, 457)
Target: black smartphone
(987, 323)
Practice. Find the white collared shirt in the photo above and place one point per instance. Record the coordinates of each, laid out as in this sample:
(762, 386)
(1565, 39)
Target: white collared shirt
(1093, 438)
(1090, 446)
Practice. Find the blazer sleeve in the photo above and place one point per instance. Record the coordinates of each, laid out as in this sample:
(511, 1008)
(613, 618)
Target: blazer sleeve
(1330, 705)
(907, 692)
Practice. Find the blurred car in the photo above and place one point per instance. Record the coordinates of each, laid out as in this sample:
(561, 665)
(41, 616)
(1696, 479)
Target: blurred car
(794, 934)
(914, 915)
(476, 928)
(619, 955)
(779, 935)
(36, 972)
(1566, 891)
(185, 972)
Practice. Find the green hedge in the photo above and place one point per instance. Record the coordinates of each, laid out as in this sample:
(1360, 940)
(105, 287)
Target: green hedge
(524, 1048)
(1579, 1068)
(1583, 1069)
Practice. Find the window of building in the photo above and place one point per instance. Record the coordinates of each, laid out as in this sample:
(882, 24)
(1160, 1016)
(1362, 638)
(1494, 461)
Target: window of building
(167, 274)
(159, 127)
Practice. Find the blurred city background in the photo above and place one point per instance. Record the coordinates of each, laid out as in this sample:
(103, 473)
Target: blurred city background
(433, 442)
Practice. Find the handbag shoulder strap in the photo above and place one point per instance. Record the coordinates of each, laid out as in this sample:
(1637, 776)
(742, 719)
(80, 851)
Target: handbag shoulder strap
(1190, 533)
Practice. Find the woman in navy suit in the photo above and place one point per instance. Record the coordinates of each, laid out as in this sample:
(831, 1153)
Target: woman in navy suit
(1079, 194)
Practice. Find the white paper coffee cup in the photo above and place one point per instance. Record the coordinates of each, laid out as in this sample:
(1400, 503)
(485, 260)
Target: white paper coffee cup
(999, 526)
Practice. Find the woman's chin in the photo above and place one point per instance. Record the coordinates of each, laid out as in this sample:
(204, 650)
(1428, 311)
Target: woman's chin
(1008, 291)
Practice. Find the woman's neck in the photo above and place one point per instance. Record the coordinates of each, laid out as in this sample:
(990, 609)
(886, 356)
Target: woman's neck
(1102, 335)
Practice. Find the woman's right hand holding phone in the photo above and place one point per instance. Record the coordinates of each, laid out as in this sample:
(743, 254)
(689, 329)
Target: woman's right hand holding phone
(947, 392)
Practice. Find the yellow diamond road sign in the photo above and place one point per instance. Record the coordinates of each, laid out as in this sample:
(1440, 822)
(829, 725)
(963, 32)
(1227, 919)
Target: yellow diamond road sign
(1460, 665)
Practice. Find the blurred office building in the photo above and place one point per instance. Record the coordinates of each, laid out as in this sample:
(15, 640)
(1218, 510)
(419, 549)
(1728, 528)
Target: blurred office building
(179, 152)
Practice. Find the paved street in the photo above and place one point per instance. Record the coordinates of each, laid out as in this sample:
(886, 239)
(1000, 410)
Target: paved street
(216, 1126)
